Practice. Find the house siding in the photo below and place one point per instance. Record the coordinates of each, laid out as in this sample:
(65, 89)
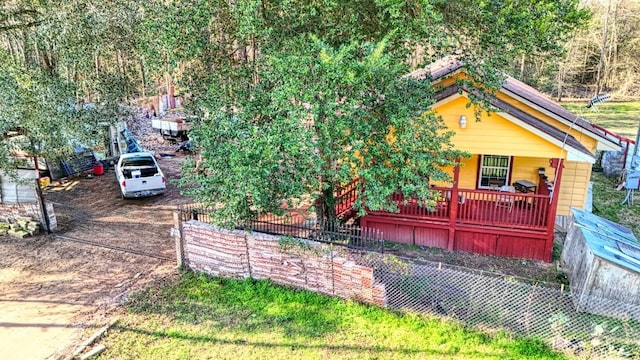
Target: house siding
(493, 134)
(574, 186)
(22, 191)
(526, 168)
(529, 151)
(469, 172)
(523, 168)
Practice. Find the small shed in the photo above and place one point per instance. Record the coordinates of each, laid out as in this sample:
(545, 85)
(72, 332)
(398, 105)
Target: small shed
(602, 259)
(19, 191)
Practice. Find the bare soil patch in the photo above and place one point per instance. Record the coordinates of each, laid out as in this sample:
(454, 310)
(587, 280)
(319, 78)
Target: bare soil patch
(53, 288)
(56, 289)
(528, 270)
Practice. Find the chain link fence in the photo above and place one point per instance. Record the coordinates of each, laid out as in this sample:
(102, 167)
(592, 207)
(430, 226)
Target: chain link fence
(477, 298)
(497, 302)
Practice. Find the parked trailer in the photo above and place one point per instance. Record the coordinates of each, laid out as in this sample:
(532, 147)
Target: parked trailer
(174, 129)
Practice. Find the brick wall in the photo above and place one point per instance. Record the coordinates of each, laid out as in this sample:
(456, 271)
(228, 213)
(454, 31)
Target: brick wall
(9, 212)
(303, 264)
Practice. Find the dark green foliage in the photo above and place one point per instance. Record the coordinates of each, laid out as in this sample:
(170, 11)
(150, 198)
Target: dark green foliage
(294, 97)
(303, 97)
(54, 87)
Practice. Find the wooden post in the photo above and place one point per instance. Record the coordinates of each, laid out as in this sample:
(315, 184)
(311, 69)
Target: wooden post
(177, 235)
(453, 206)
(558, 164)
(40, 196)
(172, 98)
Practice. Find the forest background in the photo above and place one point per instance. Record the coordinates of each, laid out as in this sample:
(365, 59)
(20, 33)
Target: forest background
(253, 73)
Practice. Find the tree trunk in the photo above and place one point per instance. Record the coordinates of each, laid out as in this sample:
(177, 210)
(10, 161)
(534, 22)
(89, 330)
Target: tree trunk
(603, 44)
(143, 77)
(612, 49)
(123, 72)
(326, 202)
(97, 63)
(326, 208)
(25, 40)
(561, 74)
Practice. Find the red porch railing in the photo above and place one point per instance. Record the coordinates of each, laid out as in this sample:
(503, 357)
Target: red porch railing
(411, 208)
(346, 195)
(480, 207)
(503, 209)
(497, 223)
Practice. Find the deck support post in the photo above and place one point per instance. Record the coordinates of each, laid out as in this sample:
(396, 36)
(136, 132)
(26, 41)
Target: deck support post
(558, 164)
(453, 206)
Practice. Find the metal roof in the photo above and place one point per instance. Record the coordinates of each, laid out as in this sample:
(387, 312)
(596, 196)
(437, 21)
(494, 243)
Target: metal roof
(608, 240)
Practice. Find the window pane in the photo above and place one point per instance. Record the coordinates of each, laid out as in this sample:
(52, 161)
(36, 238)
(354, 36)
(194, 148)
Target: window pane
(494, 171)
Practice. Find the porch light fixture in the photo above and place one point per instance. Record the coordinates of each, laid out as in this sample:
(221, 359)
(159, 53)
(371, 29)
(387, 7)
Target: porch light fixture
(463, 121)
(541, 171)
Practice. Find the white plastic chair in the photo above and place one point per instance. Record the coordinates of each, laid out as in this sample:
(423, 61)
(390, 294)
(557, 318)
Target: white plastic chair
(506, 200)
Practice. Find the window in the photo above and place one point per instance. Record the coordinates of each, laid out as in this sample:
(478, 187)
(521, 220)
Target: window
(494, 171)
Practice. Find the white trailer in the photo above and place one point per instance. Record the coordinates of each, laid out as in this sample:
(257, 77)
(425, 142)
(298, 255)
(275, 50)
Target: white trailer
(173, 129)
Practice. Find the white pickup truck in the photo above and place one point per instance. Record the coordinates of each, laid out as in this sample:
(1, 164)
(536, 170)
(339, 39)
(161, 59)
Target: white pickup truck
(139, 175)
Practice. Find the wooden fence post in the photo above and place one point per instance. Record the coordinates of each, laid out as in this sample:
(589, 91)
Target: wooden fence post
(179, 238)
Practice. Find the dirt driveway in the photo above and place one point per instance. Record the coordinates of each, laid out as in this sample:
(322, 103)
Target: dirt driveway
(56, 289)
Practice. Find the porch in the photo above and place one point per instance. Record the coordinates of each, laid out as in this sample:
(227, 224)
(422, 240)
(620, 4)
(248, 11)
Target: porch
(480, 207)
(488, 222)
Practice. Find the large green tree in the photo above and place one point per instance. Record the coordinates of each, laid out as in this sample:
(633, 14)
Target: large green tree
(294, 98)
(298, 98)
(318, 120)
(62, 72)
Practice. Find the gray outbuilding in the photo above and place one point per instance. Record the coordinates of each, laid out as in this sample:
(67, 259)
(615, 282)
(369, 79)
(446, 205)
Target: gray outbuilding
(602, 260)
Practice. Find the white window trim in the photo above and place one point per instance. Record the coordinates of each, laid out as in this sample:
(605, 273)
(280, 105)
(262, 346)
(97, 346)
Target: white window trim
(479, 179)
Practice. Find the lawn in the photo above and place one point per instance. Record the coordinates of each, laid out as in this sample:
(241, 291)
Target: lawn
(622, 118)
(619, 117)
(199, 317)
(608, 203)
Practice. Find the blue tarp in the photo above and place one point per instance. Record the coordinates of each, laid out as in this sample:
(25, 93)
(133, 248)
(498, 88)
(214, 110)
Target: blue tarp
(608, 240)
(132, 143)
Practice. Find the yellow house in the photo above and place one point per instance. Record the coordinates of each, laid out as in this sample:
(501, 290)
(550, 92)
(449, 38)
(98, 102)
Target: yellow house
(531, 161)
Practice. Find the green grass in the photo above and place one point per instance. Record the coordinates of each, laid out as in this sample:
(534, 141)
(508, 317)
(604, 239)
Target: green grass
(622, 118)
(199, 317)
(619, 117)
(607, 203)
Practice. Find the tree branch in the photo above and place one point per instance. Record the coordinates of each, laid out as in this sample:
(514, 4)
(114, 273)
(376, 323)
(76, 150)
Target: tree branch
(5, 28)
(23, 14)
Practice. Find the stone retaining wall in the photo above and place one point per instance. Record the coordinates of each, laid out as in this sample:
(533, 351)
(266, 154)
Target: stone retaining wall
(303, 264)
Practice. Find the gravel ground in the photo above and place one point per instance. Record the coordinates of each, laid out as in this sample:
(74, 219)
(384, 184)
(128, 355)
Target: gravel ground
(140, 126)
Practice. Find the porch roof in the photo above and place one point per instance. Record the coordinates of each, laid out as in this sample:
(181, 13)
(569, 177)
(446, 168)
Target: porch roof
(524, 93)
